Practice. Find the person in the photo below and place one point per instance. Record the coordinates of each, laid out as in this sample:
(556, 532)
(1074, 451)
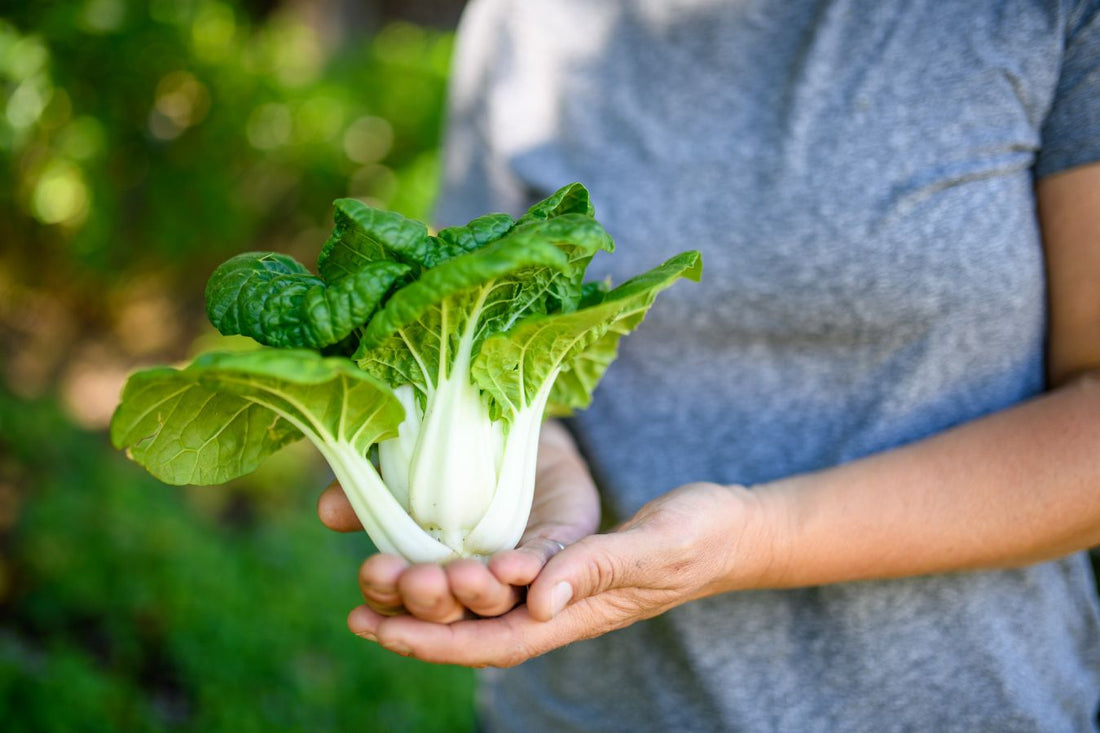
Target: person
(848, 480)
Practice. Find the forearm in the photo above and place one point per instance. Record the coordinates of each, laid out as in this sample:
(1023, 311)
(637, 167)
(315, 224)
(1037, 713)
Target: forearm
(1009, 489)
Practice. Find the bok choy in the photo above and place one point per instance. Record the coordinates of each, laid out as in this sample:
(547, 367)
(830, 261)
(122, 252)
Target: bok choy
(445, 351)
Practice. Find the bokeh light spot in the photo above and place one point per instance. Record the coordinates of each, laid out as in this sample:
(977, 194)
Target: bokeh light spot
(103, 16)
(269, 126)
(27, 102)
(295, 51)
(162, 126)
(26, 57)
(60, 195)
(319, 119)
(213, 31)
(182, 98)
(368, 140)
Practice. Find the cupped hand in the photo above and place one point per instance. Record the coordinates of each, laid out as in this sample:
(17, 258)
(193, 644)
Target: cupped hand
(684, 545)
(566, 508)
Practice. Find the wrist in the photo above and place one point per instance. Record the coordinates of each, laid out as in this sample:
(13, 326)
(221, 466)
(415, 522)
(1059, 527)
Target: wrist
(759, 550)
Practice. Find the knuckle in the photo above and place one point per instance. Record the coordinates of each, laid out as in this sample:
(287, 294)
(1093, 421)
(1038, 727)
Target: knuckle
(427, 607)
(481, 607)
(366, 574)
(379, 571)
(473, 599)
(604, 571)
(497, 609)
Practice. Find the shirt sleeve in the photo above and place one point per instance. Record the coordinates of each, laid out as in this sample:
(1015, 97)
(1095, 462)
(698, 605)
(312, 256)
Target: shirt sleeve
(1071, 132)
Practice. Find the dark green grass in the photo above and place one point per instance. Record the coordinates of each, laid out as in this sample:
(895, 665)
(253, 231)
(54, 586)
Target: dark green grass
(127, 605)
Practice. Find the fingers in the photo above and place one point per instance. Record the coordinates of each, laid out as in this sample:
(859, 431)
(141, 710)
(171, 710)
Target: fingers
(557, 577)
(598, 598)
(668, 553)
(438, 593)
(594, 565)
(586, 592)
(391, 586)
(444, 593)
(480, 590)
(501, 642)
(335, 510)
(427, 594)
(378, 578)
(522, 565)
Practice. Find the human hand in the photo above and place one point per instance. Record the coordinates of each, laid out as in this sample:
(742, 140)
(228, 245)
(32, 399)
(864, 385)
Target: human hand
(695, 541)
(566, 508)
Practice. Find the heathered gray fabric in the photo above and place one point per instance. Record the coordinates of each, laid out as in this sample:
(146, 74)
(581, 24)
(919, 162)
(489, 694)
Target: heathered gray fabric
(859, 177)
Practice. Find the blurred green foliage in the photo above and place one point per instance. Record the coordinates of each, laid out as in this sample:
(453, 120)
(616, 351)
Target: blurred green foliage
(175, 131)
(141, 143)
(142, 607)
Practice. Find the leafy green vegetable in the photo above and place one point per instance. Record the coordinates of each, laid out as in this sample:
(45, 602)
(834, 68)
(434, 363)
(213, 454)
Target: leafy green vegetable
(460, 344)
(274, 299)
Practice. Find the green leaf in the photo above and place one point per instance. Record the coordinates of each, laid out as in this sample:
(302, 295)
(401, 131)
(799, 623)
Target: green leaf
(433, 312)
(572, 202)
(579, 237)
(275, 300)
(363, 234)
(536, 268)
(219, 417)
(395, 363)
(574, 386)
(479, 232)
(570, 199)
(512, 366)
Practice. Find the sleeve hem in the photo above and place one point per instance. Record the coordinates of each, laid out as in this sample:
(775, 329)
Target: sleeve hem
(1057, 161)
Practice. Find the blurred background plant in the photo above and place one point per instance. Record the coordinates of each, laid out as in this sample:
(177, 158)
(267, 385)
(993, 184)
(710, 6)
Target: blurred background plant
(142, 143)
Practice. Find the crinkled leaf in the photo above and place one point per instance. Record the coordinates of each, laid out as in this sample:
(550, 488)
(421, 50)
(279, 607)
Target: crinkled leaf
(512, 366)
(548, 289)
(574, 386)
(275, 300)
(534, 269)
(363, 234)
(410, 330)
(579, 237)
(219, 417)
(570, 199)
(395, 363)
(454, 241)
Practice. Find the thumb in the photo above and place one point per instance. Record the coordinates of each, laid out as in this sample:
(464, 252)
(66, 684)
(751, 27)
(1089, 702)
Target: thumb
(587, 568)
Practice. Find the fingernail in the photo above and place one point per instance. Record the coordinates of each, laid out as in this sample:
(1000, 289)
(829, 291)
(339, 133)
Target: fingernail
(559, 597)
(366, 635)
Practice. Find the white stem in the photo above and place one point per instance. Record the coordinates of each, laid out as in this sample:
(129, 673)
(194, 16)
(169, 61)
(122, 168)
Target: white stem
(505, 520)
(453, 472)
(390, 528)
(395, 455)
(386, 522)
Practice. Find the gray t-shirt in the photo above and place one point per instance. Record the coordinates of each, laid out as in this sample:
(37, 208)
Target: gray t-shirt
(858, 175)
